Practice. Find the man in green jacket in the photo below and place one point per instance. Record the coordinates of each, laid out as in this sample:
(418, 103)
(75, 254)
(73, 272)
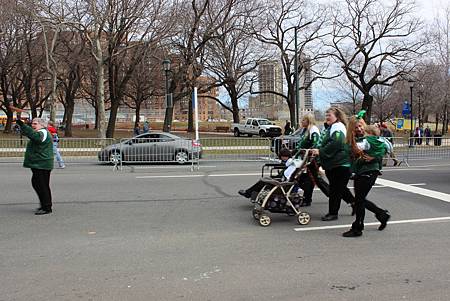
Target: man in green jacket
(39, 158)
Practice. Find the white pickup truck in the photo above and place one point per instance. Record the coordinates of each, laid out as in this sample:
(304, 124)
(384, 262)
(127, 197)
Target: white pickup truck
(256, 126)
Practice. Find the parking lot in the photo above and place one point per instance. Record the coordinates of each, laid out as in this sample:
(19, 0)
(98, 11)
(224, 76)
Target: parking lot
(164, 232)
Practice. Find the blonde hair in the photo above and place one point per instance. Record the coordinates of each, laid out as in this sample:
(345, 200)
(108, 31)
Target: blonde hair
(350, 137)
(372, 130)
(311, 121)
(339, 113)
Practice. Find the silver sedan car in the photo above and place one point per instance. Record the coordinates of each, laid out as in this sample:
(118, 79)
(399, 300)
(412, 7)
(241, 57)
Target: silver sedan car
(152, 147)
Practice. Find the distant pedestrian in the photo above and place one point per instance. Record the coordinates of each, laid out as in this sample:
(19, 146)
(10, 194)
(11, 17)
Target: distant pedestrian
(287, 128)
(427, 135)
(146, 127)
(417, 136)
(55, 140)
(386, 132)
(137, 129)
(39, 158)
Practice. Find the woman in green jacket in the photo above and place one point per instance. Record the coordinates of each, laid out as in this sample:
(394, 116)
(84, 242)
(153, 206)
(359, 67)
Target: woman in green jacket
(334, 158)
(39, 158)
(367, 154)
(310, 140)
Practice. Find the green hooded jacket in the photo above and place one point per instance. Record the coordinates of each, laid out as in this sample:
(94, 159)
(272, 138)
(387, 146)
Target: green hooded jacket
(310, 139)
(39, 151)
(374, 147)
(333, 151)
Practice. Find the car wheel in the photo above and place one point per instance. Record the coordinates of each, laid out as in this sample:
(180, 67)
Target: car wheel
(262, 134)
(115, 157)
(236, 133)
(181, 157)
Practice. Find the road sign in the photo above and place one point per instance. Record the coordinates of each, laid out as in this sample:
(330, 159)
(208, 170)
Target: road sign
(406, 111)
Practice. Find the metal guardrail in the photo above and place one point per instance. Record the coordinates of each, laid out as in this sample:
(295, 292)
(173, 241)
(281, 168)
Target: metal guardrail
(71, 149)
(237, 149)
(431, 148)
(86, 150)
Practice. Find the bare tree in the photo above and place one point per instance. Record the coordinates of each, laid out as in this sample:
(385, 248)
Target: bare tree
(234, 55)
(283, 18)
(194, 31)
(72, 57)
(10, 87)
(145, 82)
(375, 43)
(347, 93)
(442, 53)
(383, 103)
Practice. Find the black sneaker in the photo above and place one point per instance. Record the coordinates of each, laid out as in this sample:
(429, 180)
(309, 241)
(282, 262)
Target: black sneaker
(352, 233)
(244, 193)
(383, 218)
(42, 212)
(329, 217)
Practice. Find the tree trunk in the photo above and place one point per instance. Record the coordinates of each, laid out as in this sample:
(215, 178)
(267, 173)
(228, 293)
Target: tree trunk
(436, 123)
(291, 105)
(138, 114)
(367, 105)
(69, 114)
(190, 128)
(100, 90)
(97, 118)
(53, 98)
(445, 120)
(234, 103)
(9, 121)
(112, 118)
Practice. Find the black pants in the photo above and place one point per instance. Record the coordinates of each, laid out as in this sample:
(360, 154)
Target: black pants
(41, 184)
(307, 184)
(256, 187)
(313, 171)
(363, 184)
(338, 178)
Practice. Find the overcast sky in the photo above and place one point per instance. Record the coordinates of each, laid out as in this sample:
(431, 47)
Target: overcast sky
(427, 9)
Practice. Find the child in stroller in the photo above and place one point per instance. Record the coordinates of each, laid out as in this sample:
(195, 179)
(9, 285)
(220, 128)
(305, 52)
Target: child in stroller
(282, 195)
(276, 172)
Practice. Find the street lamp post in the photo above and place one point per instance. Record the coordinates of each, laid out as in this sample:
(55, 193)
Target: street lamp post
(419, 96)
(297, 96)
(169, 102)
(411, 134)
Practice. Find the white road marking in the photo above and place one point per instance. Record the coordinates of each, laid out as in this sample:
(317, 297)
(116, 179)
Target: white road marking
(408, 169)
(382, 186)
(421, 166)
(406, 221)
(165, 177)
(235, 175)
(417, 190)
(172, 167)
(198, 176)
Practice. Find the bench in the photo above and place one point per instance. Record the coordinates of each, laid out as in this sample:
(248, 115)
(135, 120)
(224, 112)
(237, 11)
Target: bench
(222, 129)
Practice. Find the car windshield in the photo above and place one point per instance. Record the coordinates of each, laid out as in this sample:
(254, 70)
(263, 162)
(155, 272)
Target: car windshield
(264, 122)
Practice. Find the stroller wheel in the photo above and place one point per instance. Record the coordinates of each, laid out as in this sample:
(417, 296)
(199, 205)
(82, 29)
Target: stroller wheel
(303, 218)
(256, 214)
(265, 220)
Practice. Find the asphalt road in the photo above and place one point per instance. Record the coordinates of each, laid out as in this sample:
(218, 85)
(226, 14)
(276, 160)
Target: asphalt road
(153, 232)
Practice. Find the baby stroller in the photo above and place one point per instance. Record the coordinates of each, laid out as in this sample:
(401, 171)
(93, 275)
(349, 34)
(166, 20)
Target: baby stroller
(282, 195)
